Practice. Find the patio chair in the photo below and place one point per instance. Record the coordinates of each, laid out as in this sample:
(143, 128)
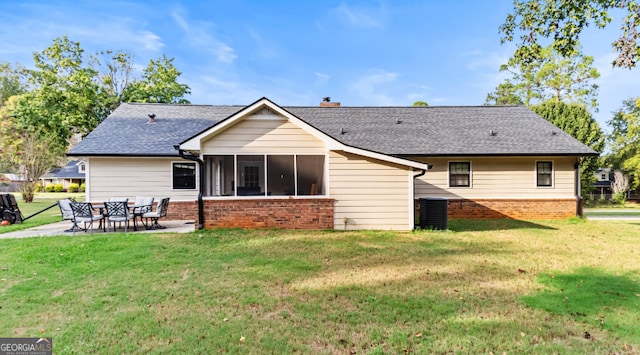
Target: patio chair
(83, 213)
(67, 213)
(141, 206)
(161, 211)
(118, 212)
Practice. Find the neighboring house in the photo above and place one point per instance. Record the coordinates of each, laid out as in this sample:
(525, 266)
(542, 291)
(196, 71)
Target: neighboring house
(10, 182)
(73, 172)
(264, 165)
(602, 186)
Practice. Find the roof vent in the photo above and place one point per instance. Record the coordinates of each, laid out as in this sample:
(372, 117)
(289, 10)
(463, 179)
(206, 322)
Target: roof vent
(152, 118)
(326, 102)
(398, 121)
(493, 133)
(342, 131)
(554, 133)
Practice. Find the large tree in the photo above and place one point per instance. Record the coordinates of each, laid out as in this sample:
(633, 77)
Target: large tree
(563, 22)
(158, 84)
(550, 76)
(66, 95)
(31, 150)
(577, 121)
(624, 139)
(11, 82)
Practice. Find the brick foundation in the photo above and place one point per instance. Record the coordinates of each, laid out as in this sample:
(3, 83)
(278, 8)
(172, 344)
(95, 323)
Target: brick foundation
(259, 213)
(511, 208)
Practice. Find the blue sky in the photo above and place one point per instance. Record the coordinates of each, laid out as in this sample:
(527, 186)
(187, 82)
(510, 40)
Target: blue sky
(360, 53)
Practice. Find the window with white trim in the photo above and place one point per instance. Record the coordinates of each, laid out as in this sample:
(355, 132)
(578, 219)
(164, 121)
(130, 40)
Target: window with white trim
(459, 174)
(544, 174)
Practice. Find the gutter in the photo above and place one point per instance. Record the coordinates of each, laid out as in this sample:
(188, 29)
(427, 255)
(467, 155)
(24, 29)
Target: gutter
(197, 159)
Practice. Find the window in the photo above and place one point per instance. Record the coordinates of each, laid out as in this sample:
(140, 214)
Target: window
(460, 174)
(184, 176)
(544, 173)
(81, 168)
(264, 175)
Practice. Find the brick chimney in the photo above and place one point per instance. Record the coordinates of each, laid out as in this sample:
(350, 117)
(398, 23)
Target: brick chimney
(326, 102)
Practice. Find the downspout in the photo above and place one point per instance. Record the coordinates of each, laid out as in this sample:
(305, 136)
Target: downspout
(577, 189)
(421, 173)
(197, 159)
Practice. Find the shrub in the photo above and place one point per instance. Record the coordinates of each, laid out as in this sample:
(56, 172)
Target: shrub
(58, 188)
(49, 188)
(83, 187)
(73, 187)
(619, 198)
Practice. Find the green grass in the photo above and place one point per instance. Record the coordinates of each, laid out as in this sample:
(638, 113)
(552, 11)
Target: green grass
(482, 287)
(40, 202)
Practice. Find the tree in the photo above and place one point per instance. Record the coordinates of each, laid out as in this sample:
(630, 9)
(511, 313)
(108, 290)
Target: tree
(115, 71)
(550, 76)
(620, 186)
(65, 98)
(563, 22)
(624, 139)
(158, 84)
(420, 104)
(29, 149)
(506, 94)
(576, 120)
(10, 82)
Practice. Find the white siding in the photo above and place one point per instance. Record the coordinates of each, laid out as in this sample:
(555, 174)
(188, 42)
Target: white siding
(130, 177)
(499, 178)
(370, 194)
(263, 136)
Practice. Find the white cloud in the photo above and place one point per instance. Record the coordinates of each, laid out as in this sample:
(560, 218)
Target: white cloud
(264, 48)
(198, 34)
(368, 87)
(360, 16)
(321, 78)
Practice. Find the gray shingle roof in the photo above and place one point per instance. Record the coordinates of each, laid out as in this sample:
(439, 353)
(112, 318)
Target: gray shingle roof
(69, 171)
(400, 131)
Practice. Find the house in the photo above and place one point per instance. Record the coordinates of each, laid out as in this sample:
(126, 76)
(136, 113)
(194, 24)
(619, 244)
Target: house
(331, 166)
(72, 172)
(10, 182)
(602, 185)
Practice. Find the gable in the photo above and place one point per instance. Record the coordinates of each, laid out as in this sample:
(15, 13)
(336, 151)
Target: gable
(263, 132)
(266, 110)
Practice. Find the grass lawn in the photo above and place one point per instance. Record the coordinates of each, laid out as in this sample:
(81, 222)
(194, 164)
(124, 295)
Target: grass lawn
(484, 287)
(41, 201)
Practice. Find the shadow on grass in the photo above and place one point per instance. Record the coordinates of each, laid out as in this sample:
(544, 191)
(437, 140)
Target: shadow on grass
(593, 296)
(479, 225)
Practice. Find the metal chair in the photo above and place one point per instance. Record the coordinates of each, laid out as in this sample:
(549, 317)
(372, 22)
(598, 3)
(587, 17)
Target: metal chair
(141, 206)
(67, 213)
(161, 211)
(118, 212)
(83, 213)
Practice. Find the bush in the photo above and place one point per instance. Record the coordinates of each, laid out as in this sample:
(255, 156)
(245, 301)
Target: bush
(49, 188)
(83, 187)
(58, 188)
(73, 187)
(619, 198)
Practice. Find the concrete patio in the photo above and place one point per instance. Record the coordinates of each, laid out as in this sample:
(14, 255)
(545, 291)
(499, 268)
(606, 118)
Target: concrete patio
(58, 228)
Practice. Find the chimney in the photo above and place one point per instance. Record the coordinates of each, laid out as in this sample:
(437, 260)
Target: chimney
(326, 102)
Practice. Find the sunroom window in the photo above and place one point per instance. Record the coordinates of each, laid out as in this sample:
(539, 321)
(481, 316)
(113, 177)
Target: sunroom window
(265, 175)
